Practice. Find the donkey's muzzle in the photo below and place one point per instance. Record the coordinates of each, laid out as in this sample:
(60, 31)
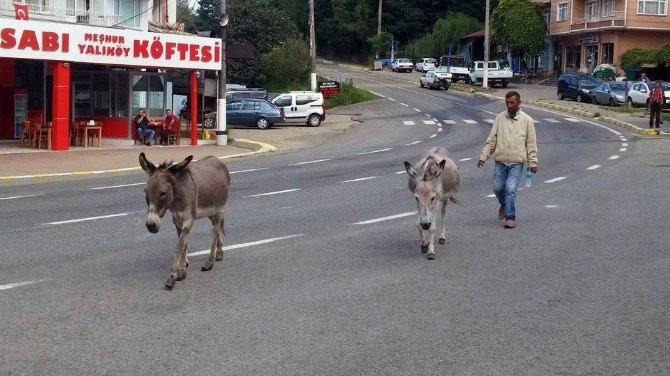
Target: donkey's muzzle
(425, 225)
(152, 227)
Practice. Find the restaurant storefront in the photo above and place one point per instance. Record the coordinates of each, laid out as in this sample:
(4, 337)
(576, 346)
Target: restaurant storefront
(62, 73)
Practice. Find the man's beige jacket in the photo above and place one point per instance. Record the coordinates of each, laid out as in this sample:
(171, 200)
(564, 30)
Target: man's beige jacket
(512, 140)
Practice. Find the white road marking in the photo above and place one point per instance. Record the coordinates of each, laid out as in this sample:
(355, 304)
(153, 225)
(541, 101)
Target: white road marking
(492, 195)
(404, 104)
(117, 186)
(377, 94)
(428, 122)
(359, 179)
(554, 180)
(412, 143)
(93, 218)
(375, 151)
(429, 115)
(401, 172)
(435, 120)
(23, 196)
(439, 129)
(551, 206)
(408, 122)
(249, 170)
(449, 121)
(623, 149)
(433, 135)
(392, 100)
(17, 284)
(250, 244)
(470, 121)
(464, 159)
(624, 144)
(417, 110)
(614, 157)
(382, 219)
(490, 121)
(273, 193)
(310, 162)
(573, 120)
(594, 167)
(552, 120)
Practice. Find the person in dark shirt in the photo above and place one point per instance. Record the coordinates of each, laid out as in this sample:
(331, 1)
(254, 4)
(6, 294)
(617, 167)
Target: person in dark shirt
(656, 102)
(171, 126)
(143, 130)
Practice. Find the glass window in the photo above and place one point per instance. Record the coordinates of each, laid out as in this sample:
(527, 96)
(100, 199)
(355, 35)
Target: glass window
(120, 95)
(608, 53)
(592, 10)
(247, 106)
(233, 106)
(654, 7)
(562, 12)
(156, 106)
(305, 99)
(100, 94)
(140, 85)
(283, 101)
(608, 8)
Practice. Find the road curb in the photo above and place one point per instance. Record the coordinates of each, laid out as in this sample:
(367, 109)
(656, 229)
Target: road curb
(264, 148)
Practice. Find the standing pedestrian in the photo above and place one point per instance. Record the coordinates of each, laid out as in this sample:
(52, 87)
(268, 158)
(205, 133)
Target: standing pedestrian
(514, 143)
(656, 101)
(644, 78)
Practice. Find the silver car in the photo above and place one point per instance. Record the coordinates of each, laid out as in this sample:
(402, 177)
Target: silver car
(612, 93)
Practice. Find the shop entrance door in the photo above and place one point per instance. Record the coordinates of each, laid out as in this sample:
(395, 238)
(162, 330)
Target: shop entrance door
(81, 100)
(591, 57)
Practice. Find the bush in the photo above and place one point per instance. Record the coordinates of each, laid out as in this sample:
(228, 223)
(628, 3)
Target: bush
(349, 94)
(286, 67)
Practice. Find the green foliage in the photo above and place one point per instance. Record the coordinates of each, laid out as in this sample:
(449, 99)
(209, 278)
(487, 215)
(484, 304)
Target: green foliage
(447, 32)
(636, 57)
(349, 94)
(286, 67)
(381, 43)
(662, 55)
(186, 16)
(518, 25)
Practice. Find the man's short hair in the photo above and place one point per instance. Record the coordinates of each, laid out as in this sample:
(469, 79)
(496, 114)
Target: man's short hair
(513, 94)
(168, 110)
(141, 109)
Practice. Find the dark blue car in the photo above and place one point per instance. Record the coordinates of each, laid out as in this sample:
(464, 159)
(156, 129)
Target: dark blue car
(258, 112)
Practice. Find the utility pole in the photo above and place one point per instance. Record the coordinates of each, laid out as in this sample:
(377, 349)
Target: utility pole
(221, 131)
(379, 24)
(485, 79)
(312, 44)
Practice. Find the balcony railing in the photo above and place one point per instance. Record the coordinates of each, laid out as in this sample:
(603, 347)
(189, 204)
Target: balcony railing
(43, 12)
(609, 20)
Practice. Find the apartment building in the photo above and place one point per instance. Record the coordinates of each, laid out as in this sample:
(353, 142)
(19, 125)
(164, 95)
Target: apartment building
(65, 61)
(587, 33)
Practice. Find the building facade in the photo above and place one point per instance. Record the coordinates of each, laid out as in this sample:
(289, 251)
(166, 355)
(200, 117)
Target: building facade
(587, 33)
(101, 60)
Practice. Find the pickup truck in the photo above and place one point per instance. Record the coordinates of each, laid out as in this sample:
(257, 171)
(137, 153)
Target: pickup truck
(402, 65)
(496, 76)
(455, 64)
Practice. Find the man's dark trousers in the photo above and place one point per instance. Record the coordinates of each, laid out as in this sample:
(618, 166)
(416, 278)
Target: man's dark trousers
(654, 114)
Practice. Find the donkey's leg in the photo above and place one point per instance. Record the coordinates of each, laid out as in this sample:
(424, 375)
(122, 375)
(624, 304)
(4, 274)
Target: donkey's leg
(178, 223)
(423, 238)
(177, 266)
(216, 235)
(443, 212)
(219, 244)
(431, 242)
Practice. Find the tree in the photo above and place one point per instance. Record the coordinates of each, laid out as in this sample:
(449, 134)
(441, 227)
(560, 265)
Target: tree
(446, 35)
(186, 16)
(518, 26)
(381, 43)
(286, 67)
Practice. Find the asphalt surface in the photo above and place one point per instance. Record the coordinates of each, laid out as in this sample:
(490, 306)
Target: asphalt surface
(318, 280)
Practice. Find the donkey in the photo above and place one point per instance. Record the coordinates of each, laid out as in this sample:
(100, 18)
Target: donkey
(434, 183)
(189, 191)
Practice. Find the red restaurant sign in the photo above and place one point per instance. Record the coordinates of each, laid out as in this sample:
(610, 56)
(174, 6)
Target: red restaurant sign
(329, 89)
(99, 45)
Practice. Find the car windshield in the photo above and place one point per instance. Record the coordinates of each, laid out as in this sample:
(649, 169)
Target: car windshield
(588, 82)
(665, 86)
(618, 87)
(430, 61)
(404, 60)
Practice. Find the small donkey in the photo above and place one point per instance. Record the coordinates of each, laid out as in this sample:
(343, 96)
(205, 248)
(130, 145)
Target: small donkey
(434, 183)
(189, 191)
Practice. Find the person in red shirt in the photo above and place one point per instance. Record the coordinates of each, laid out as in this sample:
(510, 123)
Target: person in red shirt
(656, 101)
(171, 126)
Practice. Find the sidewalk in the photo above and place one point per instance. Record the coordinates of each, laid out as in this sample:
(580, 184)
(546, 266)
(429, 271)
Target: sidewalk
(32, 165)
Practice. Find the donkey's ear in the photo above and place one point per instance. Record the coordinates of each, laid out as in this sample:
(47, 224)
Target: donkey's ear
(146, 165)
(410, 169)
(434, 172)
(179, 167)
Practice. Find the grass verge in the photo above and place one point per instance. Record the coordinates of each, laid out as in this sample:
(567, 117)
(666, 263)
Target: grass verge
(349, 94)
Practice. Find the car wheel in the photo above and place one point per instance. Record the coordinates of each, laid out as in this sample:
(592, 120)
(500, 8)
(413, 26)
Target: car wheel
(421, 84)
(579, 98)
(504, 84)
(208, 123)
(262, 123)
(314, 120)
(560, 96)
(611, 102)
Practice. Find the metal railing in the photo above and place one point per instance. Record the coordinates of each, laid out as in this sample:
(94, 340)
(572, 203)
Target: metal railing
(45, 12)
(599, 21)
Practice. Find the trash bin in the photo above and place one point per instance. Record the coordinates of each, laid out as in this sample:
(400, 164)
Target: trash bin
(377, 65)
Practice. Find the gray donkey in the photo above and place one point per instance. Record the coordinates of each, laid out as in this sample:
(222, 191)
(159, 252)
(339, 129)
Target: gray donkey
(434, 183)
(189, 191)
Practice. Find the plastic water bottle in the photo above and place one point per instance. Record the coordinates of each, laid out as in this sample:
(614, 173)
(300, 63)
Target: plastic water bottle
(529, 178)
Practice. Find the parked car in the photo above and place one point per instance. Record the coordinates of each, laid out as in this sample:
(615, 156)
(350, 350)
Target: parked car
(206, 117)
(496, 75)
(258, 112)
(402, 65)
(612, 93)
(575, 86)
(257, 93)
(436, 79)
(426, 64)
(302, 106)
(638, 94)
(455, 64)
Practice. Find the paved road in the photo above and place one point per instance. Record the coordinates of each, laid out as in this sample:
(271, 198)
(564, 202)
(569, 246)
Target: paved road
(323, 273)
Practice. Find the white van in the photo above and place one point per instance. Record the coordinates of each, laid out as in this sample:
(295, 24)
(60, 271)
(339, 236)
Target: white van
(302, 106)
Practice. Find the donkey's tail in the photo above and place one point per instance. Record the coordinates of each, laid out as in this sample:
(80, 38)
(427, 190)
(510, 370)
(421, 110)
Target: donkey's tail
(455, 201)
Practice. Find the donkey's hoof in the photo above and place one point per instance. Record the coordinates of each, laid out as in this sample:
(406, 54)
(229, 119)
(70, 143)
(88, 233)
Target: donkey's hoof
(424, 248)
(442, 240)
(430, 256)
(219, 255)
(208, 266)
(181, 275)
(169, 284)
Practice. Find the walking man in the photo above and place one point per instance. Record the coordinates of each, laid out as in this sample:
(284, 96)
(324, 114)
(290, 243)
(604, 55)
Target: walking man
(512, 141)
(656, 102)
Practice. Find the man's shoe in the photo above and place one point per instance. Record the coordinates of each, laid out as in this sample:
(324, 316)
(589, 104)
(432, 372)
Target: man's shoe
(510, 223)
(501, 212)
(147, 143)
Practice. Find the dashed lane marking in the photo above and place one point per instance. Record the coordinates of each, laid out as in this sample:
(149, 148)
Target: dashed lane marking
(439, 129)
(449, 122)
(614, 157)
(428, 122)
(382, 219)
(404, 104)
(470, 121)
(375, 151)
(117, 186)
(624, 144)
(623, 149)
(464, 159)
(490, 121)
(412, 143)
(554, 180)
(392, 100)
(594, 167)
(273, 193)
(249, 170)
(250, 244)
(433, 135)
(573, 120)
(310, 162)
(550, 120)
(87, 219)
(492, 195)
(359, 179)
(408, 122)
(18, 284)
(22, 196)
(416, 109)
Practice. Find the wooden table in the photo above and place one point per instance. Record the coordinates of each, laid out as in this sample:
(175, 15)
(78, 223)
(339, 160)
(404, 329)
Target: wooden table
(86, 129)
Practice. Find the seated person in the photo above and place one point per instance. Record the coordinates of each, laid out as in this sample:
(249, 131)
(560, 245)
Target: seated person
(171, 126)
(142, 125)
